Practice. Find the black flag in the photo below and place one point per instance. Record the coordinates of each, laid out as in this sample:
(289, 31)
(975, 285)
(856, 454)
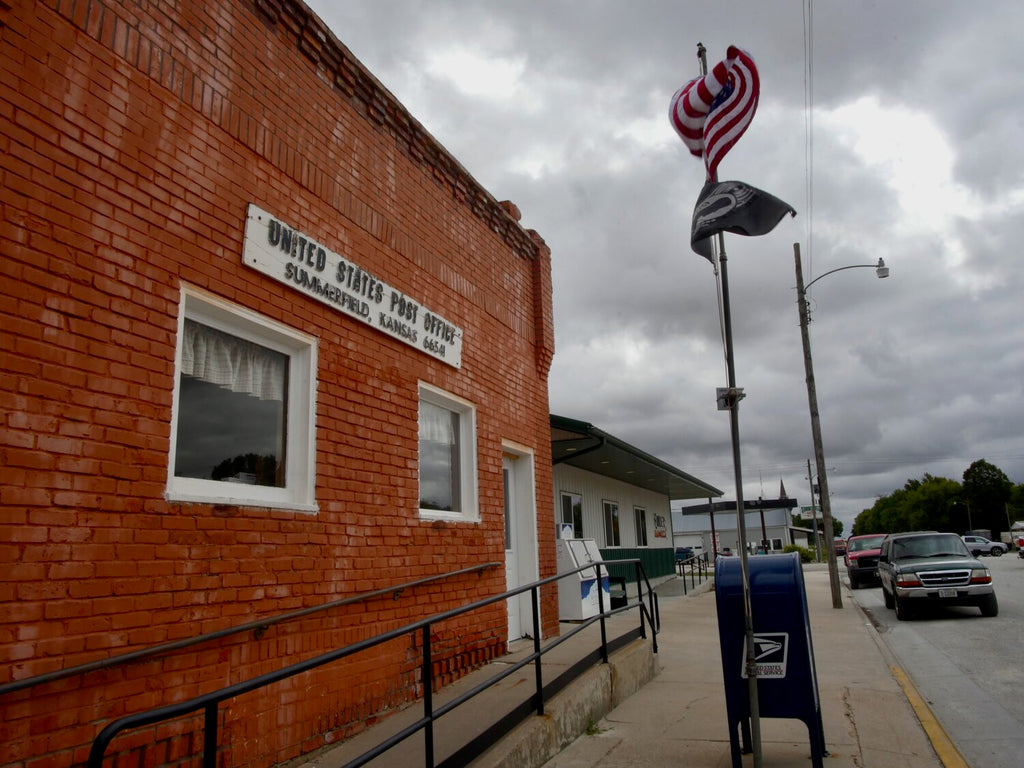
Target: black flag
(732, 206)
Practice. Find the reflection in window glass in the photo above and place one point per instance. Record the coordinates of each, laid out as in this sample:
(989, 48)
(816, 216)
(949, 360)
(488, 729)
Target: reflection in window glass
(640, 521)
(231, 419)
(612, 537)
(572, 513)
(439, 458)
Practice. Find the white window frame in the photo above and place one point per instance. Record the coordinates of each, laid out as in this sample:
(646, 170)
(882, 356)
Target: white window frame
(299, 491)
(469, 509)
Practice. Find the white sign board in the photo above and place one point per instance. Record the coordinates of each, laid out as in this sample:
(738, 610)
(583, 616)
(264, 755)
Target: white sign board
(295, 259)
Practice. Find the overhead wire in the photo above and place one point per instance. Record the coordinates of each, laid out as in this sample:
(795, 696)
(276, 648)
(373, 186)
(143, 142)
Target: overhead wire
(808, 16)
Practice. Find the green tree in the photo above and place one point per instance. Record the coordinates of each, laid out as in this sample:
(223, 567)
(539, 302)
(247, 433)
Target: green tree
(933, 504)
(866, 522)
(925, 504)
(1015, 506)
(987, 490)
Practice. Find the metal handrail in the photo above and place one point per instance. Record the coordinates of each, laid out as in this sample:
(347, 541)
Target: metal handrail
(209, 702)
(699, 570)
(259, 625)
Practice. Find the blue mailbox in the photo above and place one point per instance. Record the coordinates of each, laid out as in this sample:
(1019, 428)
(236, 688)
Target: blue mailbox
(787, 682)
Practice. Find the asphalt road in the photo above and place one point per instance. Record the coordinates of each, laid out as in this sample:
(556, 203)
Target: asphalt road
(969, 669)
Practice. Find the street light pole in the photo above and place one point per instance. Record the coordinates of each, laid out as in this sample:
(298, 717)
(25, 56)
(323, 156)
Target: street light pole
(812, 399)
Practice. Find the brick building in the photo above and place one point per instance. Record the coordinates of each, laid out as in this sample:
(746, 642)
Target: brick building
(265, 345)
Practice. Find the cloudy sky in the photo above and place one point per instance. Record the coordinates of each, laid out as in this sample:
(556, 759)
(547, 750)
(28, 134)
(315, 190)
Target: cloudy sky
(896, 130)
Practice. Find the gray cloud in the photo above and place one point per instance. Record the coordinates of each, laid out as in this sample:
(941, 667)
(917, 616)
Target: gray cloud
(914, 102)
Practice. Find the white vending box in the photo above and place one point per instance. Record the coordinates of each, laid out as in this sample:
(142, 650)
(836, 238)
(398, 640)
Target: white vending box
(577, 594)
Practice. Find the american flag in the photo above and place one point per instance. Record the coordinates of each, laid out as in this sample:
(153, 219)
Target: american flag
(711, 112)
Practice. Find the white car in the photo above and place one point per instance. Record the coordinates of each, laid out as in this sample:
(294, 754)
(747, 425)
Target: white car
(979, 545)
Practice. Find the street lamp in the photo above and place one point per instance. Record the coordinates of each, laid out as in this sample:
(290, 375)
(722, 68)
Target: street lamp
(967, 505)
(812, 398)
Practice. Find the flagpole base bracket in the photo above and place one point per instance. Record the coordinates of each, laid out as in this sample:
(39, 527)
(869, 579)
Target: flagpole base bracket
(728, 397)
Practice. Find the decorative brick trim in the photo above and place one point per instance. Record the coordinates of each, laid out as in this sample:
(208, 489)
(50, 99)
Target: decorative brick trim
(116, 27)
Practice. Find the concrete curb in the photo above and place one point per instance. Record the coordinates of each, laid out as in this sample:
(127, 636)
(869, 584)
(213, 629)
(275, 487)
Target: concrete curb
(941, 743)
(944, 748)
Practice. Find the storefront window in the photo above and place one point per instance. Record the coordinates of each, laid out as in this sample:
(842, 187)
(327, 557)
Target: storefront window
(243, 428)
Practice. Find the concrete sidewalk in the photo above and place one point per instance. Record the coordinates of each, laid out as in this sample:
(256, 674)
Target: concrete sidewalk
(679, 719)
(669, 709)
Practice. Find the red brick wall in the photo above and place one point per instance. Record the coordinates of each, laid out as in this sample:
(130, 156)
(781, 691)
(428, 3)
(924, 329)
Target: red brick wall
(134, 136)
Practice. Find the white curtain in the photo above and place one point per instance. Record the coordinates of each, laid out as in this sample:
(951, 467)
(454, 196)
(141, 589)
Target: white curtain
(233, 363)
(437, 424)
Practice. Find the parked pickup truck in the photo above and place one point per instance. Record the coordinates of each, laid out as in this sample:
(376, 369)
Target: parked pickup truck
(862, 558)
(931, 568)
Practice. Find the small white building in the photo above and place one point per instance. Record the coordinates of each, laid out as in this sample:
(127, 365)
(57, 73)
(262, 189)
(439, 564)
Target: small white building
(712, 527)
(618, 495)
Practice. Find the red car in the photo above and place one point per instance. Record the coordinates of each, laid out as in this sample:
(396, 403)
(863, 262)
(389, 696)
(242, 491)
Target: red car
(862, 558)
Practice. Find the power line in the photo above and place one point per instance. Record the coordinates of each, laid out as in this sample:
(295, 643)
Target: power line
(808, 16)
(798, 465)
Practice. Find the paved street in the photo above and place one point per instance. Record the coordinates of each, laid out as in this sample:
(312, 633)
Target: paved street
(969, 669)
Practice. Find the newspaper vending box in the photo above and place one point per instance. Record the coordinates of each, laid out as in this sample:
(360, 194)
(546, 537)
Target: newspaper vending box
(577, 594)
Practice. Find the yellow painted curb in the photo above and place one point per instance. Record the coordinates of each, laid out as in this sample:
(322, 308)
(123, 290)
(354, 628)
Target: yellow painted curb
(941, 743)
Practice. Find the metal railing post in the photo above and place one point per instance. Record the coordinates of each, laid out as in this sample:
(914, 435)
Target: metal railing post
(600, 609)
(640, 599)
(539, 677)
(209, 703)
(428, 699)
(210, 736)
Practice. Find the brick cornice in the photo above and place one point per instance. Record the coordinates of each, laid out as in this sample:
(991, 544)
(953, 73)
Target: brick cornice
(112, 25)
(336, 64)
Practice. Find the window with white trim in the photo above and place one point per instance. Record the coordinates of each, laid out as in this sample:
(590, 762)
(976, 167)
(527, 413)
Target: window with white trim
(612, 535)
(640, 522)
(572, 513)
(243, 421)
(447, 456)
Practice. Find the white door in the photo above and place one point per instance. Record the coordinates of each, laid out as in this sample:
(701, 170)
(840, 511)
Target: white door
(515, 629)
(520, 540)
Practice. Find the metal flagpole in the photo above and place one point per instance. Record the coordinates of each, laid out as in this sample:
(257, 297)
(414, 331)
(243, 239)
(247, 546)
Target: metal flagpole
(730, 398)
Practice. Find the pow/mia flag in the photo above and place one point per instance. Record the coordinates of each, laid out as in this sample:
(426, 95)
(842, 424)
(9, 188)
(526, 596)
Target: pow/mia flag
(732, 206)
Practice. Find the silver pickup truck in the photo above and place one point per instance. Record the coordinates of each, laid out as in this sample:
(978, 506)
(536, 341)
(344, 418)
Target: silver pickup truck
(931, 568)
